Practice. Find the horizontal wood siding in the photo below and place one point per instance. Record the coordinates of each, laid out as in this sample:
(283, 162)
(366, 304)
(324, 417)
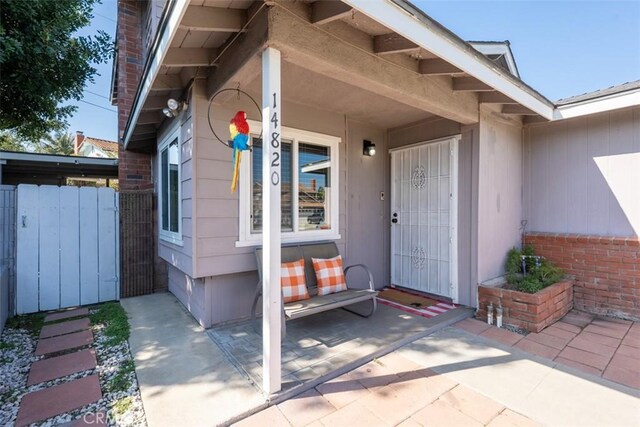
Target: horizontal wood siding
(582, 175)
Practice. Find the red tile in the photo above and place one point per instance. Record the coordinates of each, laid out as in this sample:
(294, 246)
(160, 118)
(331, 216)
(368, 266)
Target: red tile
(64, 342)
(537, 348)
(559, 332)
(586, 358)
(67, 314)
(625, 362)
(631, 341)
(472, 325)
(56, 329)
(578, 365)
(49, 402)
(567, 327)
(630, 378)
(502, 335)
(626, 350)
(61, 366)
(592, 347)
(600, 339)
(614, 332)
(549, 340)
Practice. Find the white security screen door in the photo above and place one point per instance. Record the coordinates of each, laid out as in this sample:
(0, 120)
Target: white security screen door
(424, 217)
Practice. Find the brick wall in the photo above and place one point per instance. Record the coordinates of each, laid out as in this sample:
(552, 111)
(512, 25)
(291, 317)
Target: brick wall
(135, 172)
(607, 270)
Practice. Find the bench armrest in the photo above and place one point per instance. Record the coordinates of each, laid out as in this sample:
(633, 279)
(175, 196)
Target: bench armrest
(366, 269)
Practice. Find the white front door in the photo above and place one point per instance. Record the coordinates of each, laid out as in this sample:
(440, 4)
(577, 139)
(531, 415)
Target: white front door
(424, 217)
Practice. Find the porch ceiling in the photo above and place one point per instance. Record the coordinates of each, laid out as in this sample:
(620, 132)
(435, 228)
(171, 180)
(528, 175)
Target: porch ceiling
(390, 80)
(302, 86)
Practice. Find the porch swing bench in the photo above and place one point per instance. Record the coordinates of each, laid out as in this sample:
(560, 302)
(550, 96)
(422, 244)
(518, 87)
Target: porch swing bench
(316, 303)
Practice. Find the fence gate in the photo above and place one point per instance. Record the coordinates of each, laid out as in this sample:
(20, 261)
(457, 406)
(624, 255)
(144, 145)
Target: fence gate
(67, 247)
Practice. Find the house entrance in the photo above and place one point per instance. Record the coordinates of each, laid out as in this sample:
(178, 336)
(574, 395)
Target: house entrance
(424, 217)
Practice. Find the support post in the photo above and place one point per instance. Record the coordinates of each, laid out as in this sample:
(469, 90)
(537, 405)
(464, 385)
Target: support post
(271, 215)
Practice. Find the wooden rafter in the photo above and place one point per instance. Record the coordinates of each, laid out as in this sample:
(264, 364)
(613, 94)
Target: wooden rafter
(189, 57)
(204, 18)
(167, 82)
(437, 66)
(324, 11)
(392, 43)
(518, 110)
(470, 84)
(495, 98)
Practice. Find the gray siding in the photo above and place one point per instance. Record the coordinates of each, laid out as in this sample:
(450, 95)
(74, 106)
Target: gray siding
(499, 191)
(582, 175)
(178, 256)
(192, 293)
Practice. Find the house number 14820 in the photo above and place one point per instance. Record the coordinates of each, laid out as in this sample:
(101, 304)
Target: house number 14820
(275, 144)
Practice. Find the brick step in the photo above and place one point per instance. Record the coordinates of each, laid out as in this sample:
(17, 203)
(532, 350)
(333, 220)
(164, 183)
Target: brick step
(66, 314)
(63, 328)
(64, 342)
(61, 366)
(53, 401)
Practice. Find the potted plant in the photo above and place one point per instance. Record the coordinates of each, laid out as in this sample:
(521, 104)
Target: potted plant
(533, 293)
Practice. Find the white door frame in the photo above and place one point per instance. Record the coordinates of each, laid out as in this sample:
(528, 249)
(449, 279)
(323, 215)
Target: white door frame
(453, 208)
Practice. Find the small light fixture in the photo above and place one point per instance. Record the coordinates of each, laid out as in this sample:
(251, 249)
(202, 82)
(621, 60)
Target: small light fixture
(368, 148)
(173, 108)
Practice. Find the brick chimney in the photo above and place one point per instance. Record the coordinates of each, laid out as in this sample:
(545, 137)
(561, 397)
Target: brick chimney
(78, 142)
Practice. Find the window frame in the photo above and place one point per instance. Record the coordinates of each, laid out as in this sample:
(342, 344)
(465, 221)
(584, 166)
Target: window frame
(166, 235)
(246, 237)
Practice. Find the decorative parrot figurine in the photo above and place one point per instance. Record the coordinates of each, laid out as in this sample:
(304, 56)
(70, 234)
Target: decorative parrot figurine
(239, 130)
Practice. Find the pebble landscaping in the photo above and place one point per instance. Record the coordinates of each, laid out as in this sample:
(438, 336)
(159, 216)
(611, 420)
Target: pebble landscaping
(121, 403)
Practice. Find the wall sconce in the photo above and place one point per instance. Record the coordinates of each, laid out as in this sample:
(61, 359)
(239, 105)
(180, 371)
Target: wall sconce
(368, 148)
(173, 108)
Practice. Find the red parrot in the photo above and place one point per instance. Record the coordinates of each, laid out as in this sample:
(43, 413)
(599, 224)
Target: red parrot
(239, 130)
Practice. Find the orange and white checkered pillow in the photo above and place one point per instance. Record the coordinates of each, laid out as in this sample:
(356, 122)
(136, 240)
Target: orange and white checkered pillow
(292, 281)
(329, 275)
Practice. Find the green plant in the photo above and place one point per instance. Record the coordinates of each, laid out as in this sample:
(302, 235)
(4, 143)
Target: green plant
(31, 322)
(539, 273)
(123, 405)
(120, 381)
(113, 316)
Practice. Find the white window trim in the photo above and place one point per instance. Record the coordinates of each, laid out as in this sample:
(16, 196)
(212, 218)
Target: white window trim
(170, 236)
(246, 238)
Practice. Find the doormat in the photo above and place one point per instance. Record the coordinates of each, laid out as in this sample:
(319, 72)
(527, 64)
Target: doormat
(413, 303)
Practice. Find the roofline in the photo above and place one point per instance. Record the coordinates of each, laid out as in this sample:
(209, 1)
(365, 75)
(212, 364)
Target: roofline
(169, 21)
(410, 22)
(57, 158)
(504, 49)
(601, 104)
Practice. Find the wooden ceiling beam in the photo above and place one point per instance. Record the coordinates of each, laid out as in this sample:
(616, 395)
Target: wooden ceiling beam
(155, 103)
(436, 67)
(517, 109)
(149, 117)
(495, 98)
(393, 43)
(325, 11)
(204, 18)
(167, 82)
(470, 84)
(189, 57)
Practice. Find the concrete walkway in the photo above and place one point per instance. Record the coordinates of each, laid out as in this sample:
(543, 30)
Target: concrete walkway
(456, 378)
(183, 376)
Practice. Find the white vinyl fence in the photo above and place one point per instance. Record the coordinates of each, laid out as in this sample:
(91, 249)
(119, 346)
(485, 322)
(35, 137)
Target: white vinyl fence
(67, 247)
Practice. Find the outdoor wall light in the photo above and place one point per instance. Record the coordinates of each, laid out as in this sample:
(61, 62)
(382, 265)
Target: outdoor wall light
(173, 108)
(368, 148)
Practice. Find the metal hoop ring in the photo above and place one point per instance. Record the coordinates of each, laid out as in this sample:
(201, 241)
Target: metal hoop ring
(239, 91)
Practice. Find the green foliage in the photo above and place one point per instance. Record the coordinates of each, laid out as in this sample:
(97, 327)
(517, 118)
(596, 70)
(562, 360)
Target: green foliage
(45, 62)
(539, 273)
(120, 381)
(31, 322)
(58, 143)
(10, 142)
(113, 316)
(123, 405)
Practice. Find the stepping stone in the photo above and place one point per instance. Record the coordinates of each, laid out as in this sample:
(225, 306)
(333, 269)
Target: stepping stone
(56, 329)
(49, 402)
(67, 314)
(61, 366)
(89, 419)
(64, 342)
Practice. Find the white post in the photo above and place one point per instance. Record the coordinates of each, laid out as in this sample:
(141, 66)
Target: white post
(271, 293)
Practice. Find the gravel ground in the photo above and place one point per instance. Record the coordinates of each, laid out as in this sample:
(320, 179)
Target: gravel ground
(120, 393)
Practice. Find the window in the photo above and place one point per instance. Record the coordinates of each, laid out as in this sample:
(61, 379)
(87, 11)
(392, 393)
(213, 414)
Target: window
(169, 188)
(309, 196)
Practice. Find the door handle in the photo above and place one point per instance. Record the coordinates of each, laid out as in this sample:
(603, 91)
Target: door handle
(394, 220)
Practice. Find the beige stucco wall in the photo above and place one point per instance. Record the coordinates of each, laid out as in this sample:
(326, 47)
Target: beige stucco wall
(582, 175)
(499, 191)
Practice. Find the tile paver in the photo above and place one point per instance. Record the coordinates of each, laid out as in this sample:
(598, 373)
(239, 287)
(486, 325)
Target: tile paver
(561, 332)
(508, 418)
(578, 365)
(549, 340)
(586, 344)
(578, 319)
(271, 417)
(61, 366)
(472, 325)
(354, 414)
(626, 350)
(566, 326)
(62, 328)
(536, 348)
(628, 377)
(49, 402)
(502, 335)
(342, 390)
(608, 332)
(472, 404)
(66, 314)
(600, 339)
(631, 341)
(64, 342)
(305, 408)
(442, 414)
(586, 358)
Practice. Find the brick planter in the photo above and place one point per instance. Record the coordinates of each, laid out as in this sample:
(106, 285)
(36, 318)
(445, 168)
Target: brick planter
(532, 312)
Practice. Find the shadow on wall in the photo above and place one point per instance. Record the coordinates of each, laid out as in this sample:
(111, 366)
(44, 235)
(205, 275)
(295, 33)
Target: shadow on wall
(622, 174)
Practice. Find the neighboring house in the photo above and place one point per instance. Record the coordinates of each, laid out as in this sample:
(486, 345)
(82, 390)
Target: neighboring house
(94, 147)
(469, 157)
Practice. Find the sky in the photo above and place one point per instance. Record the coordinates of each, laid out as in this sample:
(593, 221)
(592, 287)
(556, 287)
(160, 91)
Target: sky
(562, 48)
